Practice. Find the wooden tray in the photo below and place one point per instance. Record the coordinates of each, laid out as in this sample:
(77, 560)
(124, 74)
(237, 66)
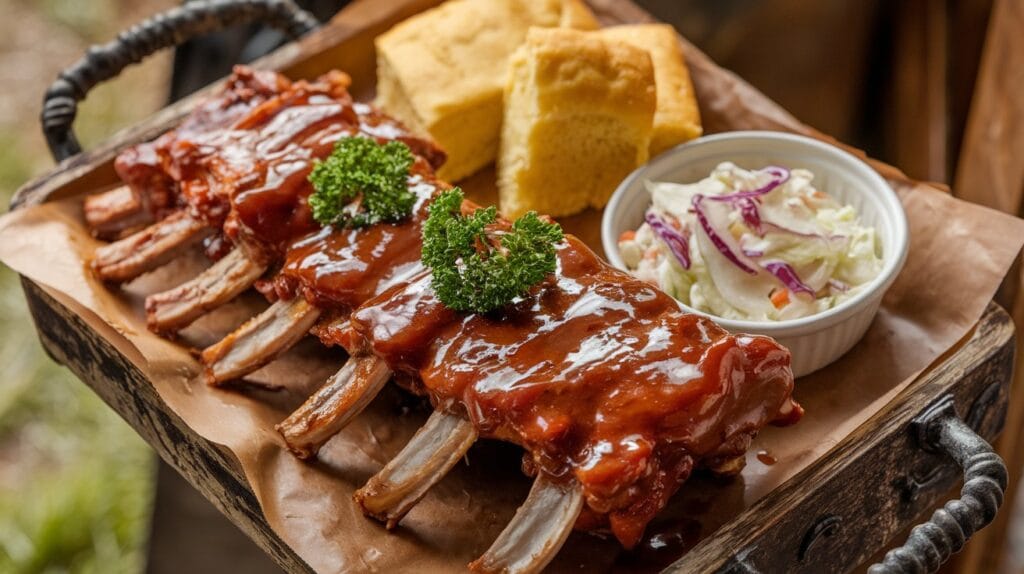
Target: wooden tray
(834, 515)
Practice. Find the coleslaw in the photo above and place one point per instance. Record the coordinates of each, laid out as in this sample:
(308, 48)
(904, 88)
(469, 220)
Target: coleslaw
(762, 245)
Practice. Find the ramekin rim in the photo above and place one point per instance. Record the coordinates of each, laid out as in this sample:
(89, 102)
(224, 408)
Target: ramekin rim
(892, 208)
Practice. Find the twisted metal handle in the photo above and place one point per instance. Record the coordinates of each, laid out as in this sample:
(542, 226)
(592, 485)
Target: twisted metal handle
(930, 544)
(102, 63)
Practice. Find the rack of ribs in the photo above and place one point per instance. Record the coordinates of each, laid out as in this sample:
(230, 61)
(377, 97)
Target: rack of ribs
(613, 392)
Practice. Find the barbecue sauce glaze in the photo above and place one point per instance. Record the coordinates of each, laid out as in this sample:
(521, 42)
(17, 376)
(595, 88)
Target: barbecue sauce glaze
(241, 161)
(599, 376)
(339, 269)
(150, 169)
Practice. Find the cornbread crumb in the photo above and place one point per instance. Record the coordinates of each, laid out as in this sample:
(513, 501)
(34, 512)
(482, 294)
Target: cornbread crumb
(442, 72)
(677, 119)
(579, 111)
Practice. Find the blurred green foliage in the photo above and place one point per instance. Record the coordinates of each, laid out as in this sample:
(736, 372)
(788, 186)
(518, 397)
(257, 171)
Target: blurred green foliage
(84, 502)
(76, 483)
(91, 19)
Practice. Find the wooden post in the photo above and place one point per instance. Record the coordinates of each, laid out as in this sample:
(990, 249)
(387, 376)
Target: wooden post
(991, 172)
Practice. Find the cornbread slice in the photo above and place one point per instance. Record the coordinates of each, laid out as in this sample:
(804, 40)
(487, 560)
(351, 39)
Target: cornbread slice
(442, 72)
(677, 119)
(579, 109)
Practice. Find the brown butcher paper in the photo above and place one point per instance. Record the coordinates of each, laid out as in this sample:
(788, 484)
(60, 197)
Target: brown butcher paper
(959, 253)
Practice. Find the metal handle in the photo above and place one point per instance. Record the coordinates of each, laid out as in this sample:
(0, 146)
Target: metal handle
(939, 429)
(101, 63)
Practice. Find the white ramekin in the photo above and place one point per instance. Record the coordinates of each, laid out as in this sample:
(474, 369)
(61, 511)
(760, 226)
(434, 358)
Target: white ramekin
(820, 339)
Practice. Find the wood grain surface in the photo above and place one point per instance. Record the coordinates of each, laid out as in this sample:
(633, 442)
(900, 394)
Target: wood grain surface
(869, 487)
(832, 516)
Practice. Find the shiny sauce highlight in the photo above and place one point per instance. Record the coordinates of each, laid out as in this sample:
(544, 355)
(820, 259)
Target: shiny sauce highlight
(598, 375)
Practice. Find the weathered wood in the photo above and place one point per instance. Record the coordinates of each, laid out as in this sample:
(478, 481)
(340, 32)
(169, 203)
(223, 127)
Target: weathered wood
(745, 38)
(991, 172)
(877, 481)
(211, 468)
(916, 114)
(991, 166)
(866, 490)
(869, 487)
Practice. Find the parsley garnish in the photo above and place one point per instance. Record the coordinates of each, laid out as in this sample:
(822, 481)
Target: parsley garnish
(478, 267)
(362, 183)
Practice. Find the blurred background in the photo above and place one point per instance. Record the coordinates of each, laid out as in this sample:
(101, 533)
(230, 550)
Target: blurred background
(80, 492)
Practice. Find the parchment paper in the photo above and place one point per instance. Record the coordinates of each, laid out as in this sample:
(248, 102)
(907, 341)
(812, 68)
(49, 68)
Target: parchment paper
(959, 253)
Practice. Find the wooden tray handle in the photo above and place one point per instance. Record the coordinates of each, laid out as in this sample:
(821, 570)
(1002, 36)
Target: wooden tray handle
(940, 430)
(101, 63)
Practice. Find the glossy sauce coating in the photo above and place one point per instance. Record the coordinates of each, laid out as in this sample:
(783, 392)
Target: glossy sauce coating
(250, 174)
(148, 168)
(598, 375)
(342, 268)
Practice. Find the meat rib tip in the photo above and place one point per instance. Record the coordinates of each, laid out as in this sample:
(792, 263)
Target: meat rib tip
(220, 283)
(435, 448)
(334, 405)
(537, 531)
(111, 213)
(148, 249)
(259, 341)
(531, 374)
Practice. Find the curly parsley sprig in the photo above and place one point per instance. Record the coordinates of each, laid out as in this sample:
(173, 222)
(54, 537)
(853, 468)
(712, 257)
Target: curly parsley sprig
(362, 183)
(478, 268)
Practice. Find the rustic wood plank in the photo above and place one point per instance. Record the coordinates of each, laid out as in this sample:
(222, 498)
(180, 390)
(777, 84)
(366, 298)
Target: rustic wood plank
(771, 534)
(917, 114)
(188, 534)
(991, 166)
(744, 37)
(991, 172)
(209, 467)
(875, 482)
(969, 25)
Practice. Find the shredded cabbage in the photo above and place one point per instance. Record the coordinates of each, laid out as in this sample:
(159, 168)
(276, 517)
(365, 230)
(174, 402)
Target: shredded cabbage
(808, 252)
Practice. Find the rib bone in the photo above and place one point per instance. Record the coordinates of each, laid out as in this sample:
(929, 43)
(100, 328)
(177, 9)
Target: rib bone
(222, 282)
(537, 531)
(148, 249)
(331, 408)
(111, 213)
(431, 453)
(259, 341)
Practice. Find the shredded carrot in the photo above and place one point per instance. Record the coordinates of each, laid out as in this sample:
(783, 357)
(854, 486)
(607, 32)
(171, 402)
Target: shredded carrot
(627, 236)
(737, 229)
(651, 254)
(780, 298)
(818, 194)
